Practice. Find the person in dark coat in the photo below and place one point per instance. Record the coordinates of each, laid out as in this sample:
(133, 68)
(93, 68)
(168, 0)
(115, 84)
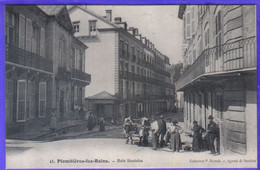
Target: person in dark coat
(161, 131)
(197, 137)
(213, 133)
(102, 123)
(90, 122)
(81, 112)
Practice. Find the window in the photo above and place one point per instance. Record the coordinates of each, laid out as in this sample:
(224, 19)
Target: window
(126, 67)
(31, 99)
(9, 28)
(21, 101)
(42, 99)
(192, 20)
(121, 66)
(42, 44)
(21, 32)
(76, 26)
(92, 27)
(188, 25)
(35, 40)
(73, 57)
(218, 34)
(61, 50)
(75, 95)
(127, 49)
(206, 36)
(121, 86)
(133, 69)
(28, 35)
(194, 54)
(121, 46)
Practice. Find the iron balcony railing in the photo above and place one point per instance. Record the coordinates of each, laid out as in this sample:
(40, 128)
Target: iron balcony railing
(233, 56)
(142, 78)
(26, 58)
(80, 75)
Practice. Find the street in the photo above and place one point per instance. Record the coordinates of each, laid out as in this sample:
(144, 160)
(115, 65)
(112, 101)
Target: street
(92, 149)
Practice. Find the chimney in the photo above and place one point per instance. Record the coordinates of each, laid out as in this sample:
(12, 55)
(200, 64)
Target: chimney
(109, 15)
(131, 30)
(135, 31)
(118, 20)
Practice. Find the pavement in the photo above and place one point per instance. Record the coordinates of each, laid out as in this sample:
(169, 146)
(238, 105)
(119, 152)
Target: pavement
(113, 153)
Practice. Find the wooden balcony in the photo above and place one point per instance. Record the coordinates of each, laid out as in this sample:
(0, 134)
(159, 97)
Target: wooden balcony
(232, 57)
(24, 58)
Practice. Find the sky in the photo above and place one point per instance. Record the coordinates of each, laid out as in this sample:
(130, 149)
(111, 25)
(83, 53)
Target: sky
(159, 23)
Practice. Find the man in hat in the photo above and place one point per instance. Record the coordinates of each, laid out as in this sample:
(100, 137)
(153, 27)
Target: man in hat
(161, 131)
(213, 133)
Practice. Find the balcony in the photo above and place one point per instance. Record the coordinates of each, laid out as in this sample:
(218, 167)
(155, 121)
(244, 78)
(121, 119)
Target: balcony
(63, 74)
(80, 76)
(27, 59)
(238, 56)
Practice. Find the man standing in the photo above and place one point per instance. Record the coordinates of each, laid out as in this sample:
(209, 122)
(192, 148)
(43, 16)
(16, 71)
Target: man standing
(128, 128)
(213, 133)
(161, 131)
(154, 128)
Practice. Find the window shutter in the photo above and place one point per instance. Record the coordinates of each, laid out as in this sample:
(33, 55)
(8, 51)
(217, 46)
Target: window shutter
(42, 43)
(21, 101)
(42, 99)
(21, 31)
(28, 35)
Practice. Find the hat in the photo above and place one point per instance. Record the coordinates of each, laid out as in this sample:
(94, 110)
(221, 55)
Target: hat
(210, 117)
(195, 122)
(175, 121)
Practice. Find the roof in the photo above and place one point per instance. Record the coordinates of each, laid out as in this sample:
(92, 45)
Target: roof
(60, 13)
(95, 15)
(51, 9)
(104, 95)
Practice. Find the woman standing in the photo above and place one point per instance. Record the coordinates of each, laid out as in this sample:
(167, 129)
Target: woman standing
(53, 120)
(102, 124)
(197, 137)
(175, 131)
(90, 122)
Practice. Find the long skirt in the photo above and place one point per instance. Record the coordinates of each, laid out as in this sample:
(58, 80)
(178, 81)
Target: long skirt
(197, 142)
(175, 143)
(102, 127)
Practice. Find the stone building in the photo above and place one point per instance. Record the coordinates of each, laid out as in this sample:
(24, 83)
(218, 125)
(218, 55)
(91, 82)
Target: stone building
(125, 64)
(219, 76)
(43, 66)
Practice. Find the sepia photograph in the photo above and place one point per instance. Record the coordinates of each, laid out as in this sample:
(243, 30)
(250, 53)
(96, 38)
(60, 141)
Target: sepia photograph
(130, 86)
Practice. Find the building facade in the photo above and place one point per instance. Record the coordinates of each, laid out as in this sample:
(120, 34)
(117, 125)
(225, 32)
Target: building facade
(42, 68)
(219, 76)
(125, 63)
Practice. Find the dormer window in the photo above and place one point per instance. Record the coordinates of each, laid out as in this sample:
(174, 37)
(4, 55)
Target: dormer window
(92, 27)
(76, 26)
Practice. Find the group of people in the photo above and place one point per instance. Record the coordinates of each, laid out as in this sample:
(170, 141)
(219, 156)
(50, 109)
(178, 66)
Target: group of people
(169, 134)
(212, 135)
(161, 132)
(91, 122)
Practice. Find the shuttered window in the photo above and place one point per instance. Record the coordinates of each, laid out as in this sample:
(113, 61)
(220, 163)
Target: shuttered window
(218, 34)
(21, 101)
(42, 43)
(42, 99)
(21, 31)
(28, 35)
